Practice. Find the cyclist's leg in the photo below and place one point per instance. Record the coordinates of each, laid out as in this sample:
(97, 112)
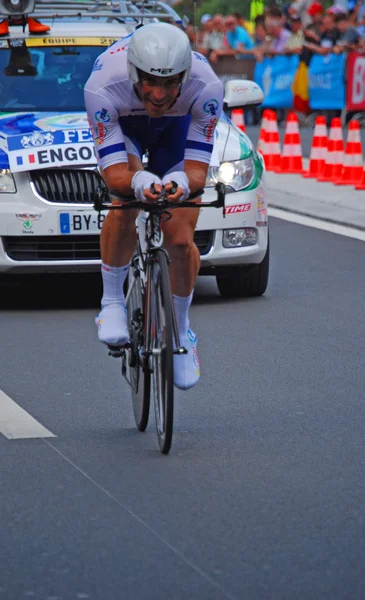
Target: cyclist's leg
(117, 243)
(168, 156)
(184, 268)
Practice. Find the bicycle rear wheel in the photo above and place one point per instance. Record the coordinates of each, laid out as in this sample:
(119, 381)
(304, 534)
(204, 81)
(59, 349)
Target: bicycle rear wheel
(140, 378)
(162, 349)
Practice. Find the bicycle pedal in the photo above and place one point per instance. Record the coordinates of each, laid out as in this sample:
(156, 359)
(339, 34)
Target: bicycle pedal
(180, 350)
(118, 351)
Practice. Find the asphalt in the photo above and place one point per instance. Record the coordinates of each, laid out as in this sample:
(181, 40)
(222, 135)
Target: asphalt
(262, 494)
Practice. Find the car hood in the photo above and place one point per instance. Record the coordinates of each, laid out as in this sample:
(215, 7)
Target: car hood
(20, 137)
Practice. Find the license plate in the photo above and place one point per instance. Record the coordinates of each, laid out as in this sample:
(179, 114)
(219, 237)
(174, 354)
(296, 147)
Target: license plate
(81, 223)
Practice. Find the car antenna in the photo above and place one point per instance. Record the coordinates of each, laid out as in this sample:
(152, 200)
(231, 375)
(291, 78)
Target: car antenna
(195, 27)
(141, 23)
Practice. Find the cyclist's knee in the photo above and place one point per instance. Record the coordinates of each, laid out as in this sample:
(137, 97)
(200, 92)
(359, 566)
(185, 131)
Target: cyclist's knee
(181, 243)
(123, 220)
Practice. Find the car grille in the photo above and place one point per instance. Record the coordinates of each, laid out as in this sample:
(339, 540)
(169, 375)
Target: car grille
(66, 186)
(73, 247)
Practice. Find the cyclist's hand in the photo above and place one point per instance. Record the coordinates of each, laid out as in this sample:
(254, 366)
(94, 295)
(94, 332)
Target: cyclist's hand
(141, 185)
(176, 181)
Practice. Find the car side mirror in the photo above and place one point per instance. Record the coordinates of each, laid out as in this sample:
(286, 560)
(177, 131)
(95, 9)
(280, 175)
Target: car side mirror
(242, 92)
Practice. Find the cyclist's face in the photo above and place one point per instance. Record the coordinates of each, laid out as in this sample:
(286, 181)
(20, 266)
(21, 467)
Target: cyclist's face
(158, 94)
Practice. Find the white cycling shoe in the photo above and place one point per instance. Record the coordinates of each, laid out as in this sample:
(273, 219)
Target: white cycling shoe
(112, 325)
(187, 366)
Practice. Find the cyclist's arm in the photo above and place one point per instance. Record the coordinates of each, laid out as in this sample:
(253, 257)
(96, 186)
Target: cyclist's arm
(205, 113)
(116, 166)
(196, 172)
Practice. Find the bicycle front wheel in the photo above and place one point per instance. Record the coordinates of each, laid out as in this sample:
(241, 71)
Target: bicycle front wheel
(162, 349)
(138, 372)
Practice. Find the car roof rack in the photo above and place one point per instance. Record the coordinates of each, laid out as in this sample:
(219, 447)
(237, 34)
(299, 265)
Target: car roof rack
(112, 10)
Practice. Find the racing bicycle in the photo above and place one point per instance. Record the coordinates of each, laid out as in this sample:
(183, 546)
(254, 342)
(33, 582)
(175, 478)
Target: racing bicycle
(147, 359)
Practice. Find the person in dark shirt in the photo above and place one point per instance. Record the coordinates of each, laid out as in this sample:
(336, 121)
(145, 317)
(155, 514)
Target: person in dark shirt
(328, 37)
(348, 36)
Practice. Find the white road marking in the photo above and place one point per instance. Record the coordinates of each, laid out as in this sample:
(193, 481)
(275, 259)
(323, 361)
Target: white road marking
(351, 232)
(16, 423)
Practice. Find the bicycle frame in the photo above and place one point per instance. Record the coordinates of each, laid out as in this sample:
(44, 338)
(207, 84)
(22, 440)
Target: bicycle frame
(149, 240)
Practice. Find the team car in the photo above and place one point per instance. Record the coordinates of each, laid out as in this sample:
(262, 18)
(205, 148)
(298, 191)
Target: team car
(48, 168)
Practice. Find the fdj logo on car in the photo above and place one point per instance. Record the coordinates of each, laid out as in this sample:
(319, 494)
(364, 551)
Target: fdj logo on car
(211, 107)
(102, 115)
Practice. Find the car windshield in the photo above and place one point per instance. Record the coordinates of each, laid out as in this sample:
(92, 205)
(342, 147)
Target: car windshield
(45, 79)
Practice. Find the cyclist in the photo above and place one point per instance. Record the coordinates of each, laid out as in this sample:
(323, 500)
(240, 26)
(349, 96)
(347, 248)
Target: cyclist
(149, 93)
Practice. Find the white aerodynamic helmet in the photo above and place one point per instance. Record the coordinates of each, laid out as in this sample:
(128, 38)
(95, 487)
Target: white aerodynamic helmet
(159, 49)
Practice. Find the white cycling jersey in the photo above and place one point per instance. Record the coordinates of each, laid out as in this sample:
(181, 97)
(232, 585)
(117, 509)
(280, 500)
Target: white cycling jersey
(111, 100)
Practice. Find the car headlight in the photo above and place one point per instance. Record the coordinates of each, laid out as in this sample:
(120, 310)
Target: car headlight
(237, 174)
(7, 183)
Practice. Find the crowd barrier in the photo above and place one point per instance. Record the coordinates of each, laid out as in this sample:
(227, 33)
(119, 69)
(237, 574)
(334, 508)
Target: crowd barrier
(331, 82)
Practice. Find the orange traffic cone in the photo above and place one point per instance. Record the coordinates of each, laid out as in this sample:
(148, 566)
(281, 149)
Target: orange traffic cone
(271, 153)
(262, 134)
(361, 185)
(334, 160)
(4, 27)
(352, 169)
(292, 159)
(317, 159)
(238, 118)
(35, 26)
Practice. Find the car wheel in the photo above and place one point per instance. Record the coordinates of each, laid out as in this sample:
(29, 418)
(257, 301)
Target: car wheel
(245, 282)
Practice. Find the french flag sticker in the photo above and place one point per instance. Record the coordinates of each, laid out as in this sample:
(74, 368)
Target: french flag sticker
(31, 159)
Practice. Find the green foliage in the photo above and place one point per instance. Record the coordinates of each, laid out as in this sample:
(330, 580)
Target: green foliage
(212, 7)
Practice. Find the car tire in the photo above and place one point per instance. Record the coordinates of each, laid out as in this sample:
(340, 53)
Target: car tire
(245, 281)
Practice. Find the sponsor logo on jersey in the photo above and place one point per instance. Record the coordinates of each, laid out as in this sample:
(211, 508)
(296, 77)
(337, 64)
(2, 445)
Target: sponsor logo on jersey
(191, 336)
(98, 65)
(118, 50)
(100, 133)
(211, 107)
(102, 115)
(209, 129)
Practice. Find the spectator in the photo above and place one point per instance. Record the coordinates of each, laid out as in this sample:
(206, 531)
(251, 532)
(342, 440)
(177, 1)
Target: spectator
(260, 32)
(218, 38)
(328, 38)
(359, 17)
(190, 32)
(213, 40)
(315, 11)
(294, 44)
(239, 41)
(299, 8)
(206, 30)
(242, 22)
(278, 35)
(348, 36)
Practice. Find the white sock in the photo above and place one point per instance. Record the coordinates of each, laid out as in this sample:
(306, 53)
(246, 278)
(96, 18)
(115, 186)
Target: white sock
(113, 281)
(182, 306)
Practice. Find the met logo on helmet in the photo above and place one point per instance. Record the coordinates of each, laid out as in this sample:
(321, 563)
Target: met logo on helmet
(162, 71)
